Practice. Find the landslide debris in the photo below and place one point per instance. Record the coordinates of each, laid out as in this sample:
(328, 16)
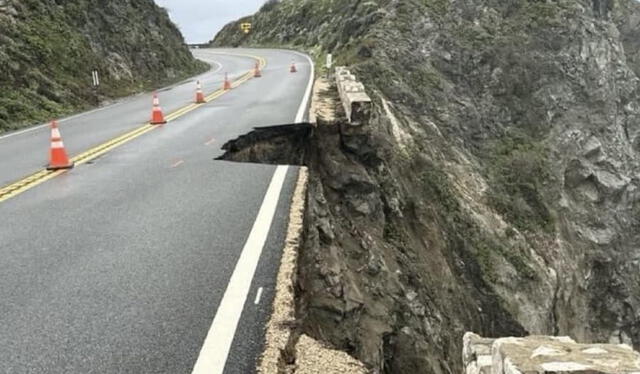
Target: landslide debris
(48, 49)
(495, 188)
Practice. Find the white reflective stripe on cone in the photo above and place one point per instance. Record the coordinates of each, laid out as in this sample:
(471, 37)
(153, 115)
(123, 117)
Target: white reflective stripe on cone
(55, 133)
(57, 144)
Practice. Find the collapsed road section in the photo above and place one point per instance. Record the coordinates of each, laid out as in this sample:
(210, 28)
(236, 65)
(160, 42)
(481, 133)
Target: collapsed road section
(329, 148)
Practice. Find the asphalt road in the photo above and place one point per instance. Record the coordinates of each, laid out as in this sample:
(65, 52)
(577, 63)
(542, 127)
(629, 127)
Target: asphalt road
(23, 152)
(121, 264)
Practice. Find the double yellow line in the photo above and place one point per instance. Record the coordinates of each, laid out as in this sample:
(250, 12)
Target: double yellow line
(44, 175)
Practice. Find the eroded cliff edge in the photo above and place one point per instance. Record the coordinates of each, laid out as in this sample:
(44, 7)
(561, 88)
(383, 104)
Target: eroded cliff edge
(495, 188)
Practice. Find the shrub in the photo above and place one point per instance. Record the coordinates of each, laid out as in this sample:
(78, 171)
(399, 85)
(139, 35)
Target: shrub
(518, 170)
(269, 5)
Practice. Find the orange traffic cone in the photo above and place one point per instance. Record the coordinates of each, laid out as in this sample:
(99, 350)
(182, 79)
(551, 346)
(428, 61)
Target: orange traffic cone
(257, 73)
(58, 158)
(293, 67)
(157, 118)
(227, 82)
(199, 95)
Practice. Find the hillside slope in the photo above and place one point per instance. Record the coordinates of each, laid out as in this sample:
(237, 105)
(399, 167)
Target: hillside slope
(48, 49)
(496, 189)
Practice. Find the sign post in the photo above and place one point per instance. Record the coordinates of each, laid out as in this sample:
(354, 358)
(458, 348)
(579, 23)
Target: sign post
(246, 27)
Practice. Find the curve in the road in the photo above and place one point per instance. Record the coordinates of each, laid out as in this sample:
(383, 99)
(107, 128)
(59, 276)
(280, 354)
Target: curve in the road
(44, 175)
(121, 265)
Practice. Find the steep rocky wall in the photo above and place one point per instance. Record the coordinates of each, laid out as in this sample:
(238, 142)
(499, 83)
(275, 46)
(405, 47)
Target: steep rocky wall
(48, 49)
(627, 18)
(495, 188)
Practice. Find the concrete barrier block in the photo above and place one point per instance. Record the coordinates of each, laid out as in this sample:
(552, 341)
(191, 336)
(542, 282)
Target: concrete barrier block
(357, 104)
(560, 355)
(474, 346)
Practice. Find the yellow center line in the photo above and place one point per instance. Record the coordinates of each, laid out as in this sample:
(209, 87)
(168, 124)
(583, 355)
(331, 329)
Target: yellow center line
(41, 176)
(216, 94)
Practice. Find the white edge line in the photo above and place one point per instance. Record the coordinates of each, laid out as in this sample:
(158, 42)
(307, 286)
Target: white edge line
(258, 296)
(215, 62)
(211, 51)
(215, 350)
(305, 100)
(307, 95)
(61, 120)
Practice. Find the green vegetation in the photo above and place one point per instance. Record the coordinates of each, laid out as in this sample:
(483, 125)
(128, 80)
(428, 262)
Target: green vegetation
(269, 5)
(477, 87)
(439, 7)
(519, 168)
(463, 234)
(48, 50)
(516, 163)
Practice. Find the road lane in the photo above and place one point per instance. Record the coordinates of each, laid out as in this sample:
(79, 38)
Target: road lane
(86, 130)
(119, 265)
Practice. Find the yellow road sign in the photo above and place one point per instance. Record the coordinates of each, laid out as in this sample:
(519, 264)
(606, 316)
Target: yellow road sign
(246, 27)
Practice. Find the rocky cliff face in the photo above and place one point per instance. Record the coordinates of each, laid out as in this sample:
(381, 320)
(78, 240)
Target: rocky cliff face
(495, 188)
(48, 49)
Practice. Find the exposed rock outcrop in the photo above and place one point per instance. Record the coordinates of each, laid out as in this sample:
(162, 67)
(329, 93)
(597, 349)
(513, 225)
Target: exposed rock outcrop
(495, 188)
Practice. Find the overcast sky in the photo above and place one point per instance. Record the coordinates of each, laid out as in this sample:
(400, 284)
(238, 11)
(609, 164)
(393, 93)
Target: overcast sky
(200, 20)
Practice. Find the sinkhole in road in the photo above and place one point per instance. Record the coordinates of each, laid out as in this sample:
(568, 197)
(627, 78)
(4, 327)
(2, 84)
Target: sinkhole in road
(273, 145)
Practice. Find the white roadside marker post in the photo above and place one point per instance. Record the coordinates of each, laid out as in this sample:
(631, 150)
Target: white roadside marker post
(96, 83)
